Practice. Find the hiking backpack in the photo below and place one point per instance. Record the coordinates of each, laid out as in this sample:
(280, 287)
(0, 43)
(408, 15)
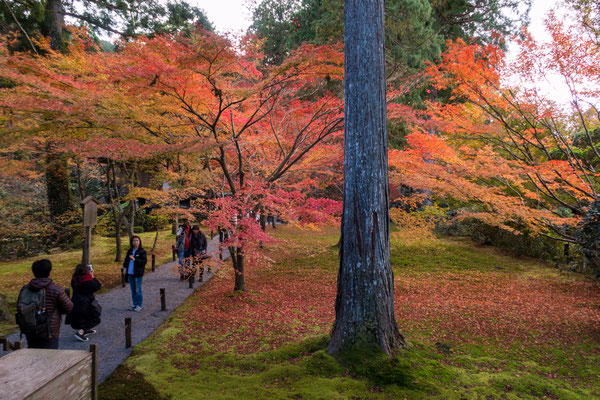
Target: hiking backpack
(31, 312)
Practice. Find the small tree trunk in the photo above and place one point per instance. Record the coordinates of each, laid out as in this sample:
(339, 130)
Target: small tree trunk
(57, 183)
(263, 221)
(155, 239)
(175, 225)
(118, 239)
(130, 223)
(80, 186)
(237, 258)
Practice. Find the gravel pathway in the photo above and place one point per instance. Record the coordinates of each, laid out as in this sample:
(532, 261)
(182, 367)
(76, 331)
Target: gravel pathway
(111, 334)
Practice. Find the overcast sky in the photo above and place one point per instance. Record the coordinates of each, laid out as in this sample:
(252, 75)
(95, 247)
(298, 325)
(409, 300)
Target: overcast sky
(228, 16)
(233, 17)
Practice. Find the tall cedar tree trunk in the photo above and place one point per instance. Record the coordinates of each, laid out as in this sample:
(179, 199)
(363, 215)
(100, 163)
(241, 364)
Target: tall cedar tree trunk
(365, 296)
(53, 24)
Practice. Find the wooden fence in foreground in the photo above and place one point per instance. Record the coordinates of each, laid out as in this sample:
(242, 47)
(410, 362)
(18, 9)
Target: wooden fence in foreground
(37, 374)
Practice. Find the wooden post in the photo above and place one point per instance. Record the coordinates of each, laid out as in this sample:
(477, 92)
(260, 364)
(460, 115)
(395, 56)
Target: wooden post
(163, 300)
(153, 262)
(122, 279)
(191, 281)
(94, 351)
(4, 343)
(89, 208)
(19, 345)
(127, 332)
(174, 252)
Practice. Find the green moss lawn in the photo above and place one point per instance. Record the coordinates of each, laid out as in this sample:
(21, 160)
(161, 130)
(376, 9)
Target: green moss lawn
(480, 324)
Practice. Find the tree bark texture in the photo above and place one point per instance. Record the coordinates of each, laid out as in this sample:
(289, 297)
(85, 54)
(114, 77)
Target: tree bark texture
(365, 294)
(237, 259)
(57, 183)
(53, 24)
(131, 222)
(118, 245)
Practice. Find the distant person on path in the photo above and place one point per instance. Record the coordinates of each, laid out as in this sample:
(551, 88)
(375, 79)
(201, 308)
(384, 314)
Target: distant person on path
(47, 318)
(198, 242)
(198, 246)
(133, 268)
(182, 245)
(86, 310)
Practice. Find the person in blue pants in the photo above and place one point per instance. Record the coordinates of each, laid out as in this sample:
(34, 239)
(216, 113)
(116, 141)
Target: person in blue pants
(133, 269)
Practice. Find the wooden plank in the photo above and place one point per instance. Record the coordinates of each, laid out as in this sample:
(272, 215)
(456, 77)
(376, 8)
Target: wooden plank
(73, 384)
(25, 372)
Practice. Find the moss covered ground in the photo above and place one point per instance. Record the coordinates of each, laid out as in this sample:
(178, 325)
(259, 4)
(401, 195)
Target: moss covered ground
(480, 324)
(15, 273)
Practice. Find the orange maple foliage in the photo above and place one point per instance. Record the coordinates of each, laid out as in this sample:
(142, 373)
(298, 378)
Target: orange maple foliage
(514, 158)
(210, 117)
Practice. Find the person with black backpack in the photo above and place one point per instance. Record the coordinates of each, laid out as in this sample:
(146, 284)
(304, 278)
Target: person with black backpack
(39, 308)
(86, 310)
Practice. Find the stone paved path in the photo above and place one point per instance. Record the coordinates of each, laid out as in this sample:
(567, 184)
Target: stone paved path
(110, 337)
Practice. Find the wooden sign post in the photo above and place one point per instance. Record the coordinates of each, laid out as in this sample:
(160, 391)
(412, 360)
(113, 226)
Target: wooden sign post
(89, 207)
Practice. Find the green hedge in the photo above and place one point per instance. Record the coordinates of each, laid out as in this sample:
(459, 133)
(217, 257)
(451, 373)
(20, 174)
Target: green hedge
(523, 244)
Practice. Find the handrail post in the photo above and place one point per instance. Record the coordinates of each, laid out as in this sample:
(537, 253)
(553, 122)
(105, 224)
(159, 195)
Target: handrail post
(94, 351)
(127, 332)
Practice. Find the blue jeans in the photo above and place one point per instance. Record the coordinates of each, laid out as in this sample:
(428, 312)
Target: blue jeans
(136, 290)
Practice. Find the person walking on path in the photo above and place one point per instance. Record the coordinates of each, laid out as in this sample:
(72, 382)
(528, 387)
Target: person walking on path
(198, 246)
(86, 310)
(133, 268)
(56, 302)
(182, 245)
(198, 242)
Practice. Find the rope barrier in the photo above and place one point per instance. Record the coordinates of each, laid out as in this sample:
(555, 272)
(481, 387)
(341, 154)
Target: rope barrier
(114, 343)
(151, 307)
(112, 346)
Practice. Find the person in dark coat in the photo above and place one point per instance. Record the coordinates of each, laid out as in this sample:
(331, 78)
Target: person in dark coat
(198, 246)
(198, 242)
(133, 268)
(57, 303)
(84, 316)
